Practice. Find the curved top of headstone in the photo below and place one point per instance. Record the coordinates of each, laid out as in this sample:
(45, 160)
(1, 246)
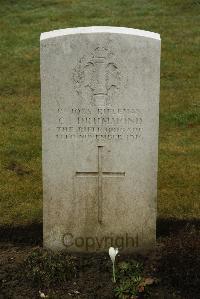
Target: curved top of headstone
(99, 29)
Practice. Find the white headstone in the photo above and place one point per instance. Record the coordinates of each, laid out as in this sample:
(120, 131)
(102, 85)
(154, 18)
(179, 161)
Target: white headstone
(100, 117)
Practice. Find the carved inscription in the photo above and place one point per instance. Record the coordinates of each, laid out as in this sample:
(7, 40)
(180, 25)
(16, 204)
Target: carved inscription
(100, 124)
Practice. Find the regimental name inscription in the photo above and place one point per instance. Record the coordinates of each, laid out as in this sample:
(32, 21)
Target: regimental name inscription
(100, 124)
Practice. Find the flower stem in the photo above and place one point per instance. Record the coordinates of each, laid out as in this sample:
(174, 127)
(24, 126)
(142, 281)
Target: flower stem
(114, 280)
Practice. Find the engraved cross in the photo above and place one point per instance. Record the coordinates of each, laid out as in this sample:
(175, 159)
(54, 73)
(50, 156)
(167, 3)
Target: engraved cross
(100, 174)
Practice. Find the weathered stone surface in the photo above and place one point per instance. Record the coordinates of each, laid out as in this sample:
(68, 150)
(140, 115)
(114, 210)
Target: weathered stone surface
(100, 110)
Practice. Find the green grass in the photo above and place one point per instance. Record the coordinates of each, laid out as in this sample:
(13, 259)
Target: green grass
(22, 22)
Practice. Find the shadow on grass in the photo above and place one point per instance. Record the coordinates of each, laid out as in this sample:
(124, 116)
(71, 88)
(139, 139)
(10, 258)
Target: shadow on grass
(32, 234)
(23, 234)
(169, 226)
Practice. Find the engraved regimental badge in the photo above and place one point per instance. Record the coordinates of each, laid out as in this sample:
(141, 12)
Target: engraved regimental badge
(99, 77)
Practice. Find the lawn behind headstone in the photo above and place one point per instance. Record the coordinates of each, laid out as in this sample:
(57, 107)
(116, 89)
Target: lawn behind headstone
(176, 259)
(21, 24)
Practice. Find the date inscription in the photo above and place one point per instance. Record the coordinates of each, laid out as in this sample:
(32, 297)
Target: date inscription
(100, 124)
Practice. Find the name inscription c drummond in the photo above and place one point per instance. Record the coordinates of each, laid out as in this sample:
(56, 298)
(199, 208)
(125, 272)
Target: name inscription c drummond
(100, 124)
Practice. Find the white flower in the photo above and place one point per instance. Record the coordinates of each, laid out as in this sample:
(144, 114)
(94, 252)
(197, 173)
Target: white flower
(112, 253)
(42, 295)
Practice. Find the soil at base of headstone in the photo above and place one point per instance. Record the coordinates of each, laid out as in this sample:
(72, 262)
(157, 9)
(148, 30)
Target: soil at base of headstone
(175, 263)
